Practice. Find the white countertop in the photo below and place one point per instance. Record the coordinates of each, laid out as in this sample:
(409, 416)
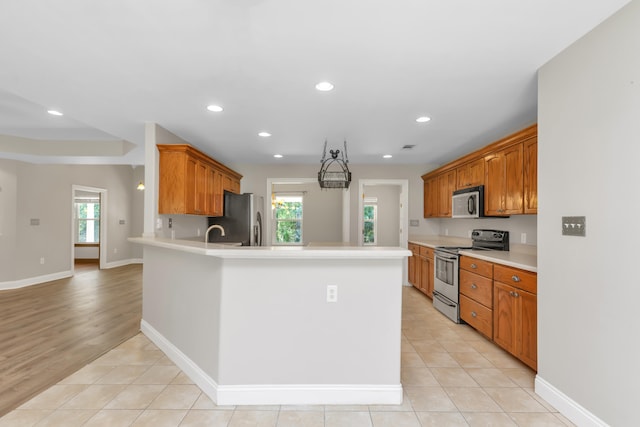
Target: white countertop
(520, 256)
(274, 252)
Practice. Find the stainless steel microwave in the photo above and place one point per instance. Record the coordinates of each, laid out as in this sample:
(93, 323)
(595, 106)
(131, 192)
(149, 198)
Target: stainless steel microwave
(468, 203)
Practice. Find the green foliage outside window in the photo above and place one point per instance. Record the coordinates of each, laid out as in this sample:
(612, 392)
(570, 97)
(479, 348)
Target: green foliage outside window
(369, 224)
(88, 222)
(288, 215)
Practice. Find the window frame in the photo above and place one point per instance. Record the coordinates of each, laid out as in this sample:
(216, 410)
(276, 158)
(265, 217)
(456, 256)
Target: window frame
(275, 221)
(372, 202)
(95, 219)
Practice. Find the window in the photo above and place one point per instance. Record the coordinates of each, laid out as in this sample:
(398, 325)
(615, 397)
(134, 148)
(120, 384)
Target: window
(87, 221)
(287, 214)
(370, 226)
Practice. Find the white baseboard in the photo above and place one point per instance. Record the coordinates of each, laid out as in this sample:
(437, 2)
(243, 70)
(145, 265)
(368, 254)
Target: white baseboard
(287, 394)
(15, 284)
(123, 262)
(566, 406)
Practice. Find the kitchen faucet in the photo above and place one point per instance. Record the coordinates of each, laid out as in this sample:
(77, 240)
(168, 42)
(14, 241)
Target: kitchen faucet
(206, 234)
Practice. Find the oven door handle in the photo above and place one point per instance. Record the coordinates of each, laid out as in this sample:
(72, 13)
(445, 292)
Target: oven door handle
(435, 295)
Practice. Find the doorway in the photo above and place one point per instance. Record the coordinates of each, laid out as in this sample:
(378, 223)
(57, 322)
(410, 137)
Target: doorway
(382, 212)
(88, 228)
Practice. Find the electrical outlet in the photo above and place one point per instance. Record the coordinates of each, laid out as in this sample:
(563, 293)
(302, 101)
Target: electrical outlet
(446, 231)
(332, 293)
(159, 223)
(414, 223)
(523, 238)
(170, 222)
(198, 232)
(42, 260)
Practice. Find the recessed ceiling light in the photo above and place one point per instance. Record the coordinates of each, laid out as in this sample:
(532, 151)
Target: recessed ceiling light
(324, 86)
(278, 156)
(54, 113)
(214, 108)
(423, 119)
(264, 134)
(387, 156)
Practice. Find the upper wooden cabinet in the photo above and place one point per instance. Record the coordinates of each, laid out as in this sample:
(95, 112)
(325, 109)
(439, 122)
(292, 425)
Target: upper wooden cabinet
(507, 168)
(470, 174)
(530, 149)
(446, 187)
(192, 183)
(503, 193)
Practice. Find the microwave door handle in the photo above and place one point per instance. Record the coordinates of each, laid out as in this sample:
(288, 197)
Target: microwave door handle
(471, 205)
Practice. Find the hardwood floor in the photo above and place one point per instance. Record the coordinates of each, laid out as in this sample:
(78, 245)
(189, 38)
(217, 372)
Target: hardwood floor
(49, 331)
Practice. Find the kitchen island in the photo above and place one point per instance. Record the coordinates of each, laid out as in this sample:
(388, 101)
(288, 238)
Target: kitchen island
(253, 325)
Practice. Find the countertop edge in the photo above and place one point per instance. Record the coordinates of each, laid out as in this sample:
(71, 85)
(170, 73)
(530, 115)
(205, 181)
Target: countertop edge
(275, 252)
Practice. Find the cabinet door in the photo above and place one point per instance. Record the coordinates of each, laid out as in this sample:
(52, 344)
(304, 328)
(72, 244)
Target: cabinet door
(412, 264)
(470, 175)
(504, 312)
(527, 328)
(531, 176)
(430, 199)
(200, 191)
(446, 187)
(504, 182)
(430, 277)
(190, 185)
(424, 274)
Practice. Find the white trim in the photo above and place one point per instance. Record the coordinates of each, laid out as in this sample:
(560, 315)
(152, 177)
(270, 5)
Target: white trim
(29, 281)
(566, 406)
(193, 371)
(310, 394)
(274, 394)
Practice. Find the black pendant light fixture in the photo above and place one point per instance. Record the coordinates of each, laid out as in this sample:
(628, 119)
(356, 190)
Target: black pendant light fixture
(334, 172)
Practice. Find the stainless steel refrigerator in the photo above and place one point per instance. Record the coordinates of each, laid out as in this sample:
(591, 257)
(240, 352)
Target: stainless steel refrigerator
(242, 220)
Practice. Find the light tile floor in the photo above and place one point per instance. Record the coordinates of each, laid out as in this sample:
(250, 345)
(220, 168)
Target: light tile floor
(451, 375)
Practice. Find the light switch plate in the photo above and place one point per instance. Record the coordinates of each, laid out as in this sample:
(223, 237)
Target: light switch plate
(574, 226)
(414, 223)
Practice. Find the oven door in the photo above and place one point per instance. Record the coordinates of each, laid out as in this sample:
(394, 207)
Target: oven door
(446, 275)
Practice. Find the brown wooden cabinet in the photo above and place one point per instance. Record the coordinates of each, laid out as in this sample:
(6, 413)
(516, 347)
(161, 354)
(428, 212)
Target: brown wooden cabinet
(530, 149)
(507, 168)
(414, 264)
(470, 174)
(476, 294)
(421, 268)
(504, 177)
(431, 198)
(446, 187)
(426, 271)
(515, 313)
(191, 182)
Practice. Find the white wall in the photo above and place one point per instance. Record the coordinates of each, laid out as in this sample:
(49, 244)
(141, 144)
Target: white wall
(255, 176)
(322, 212)
(588, 287)
(43, 192)
(388, 212)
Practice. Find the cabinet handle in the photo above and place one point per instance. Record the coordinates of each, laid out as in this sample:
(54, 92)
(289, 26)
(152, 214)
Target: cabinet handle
(515, 278)
(474, 314)
(474, 266)
(474, 286)
(514, 294)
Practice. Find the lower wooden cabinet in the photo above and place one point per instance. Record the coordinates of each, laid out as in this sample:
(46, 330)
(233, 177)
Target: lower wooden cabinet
(476, 315)
(421, 268)
(515, 315)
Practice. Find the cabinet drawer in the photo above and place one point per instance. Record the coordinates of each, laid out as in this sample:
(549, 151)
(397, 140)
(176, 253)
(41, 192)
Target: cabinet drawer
(477, 316)
(477, 287)
(477, 266)
(414, 248)
(515, 277)
(426, 252)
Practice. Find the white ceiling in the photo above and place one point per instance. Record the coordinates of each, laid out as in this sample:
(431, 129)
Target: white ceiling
(111, 66)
